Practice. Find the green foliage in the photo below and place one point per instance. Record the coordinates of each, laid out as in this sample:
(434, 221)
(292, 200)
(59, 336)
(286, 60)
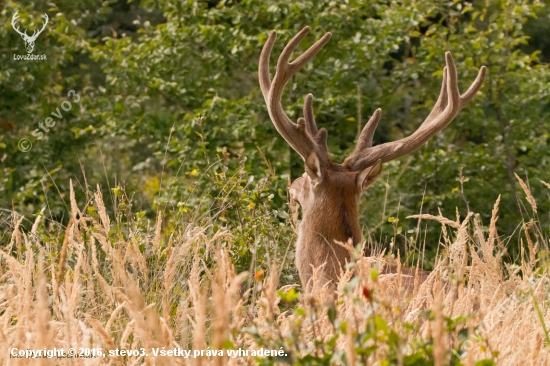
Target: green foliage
(170, 104)
(377, 338)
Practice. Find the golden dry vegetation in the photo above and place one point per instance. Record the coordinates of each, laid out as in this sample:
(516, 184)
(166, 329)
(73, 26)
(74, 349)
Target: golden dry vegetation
(127, 289)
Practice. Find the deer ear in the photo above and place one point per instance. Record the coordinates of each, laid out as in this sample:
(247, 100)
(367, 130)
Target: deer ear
(296, 189)
(367, 176)
(313, 168)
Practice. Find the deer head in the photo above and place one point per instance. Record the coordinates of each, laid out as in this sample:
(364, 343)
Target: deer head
(328, 192)
(29, 40)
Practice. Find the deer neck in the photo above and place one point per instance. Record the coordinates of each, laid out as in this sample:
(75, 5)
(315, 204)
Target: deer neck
(325, 224)
(316, 247)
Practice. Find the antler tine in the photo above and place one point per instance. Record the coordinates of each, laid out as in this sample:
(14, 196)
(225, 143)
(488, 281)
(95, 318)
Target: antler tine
(319, 136)
(474, 88)
(15, 16)
(263, 72)
(14, 24)
(445, 108)
(448, 104)
(45, 22)
(36, 32)
(367, 134)
(311, 126)
(441, 102)
(291, 68)
(302, 136)
(283, 66)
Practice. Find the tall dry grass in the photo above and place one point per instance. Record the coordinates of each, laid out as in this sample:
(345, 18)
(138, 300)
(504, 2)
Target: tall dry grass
(132, 289)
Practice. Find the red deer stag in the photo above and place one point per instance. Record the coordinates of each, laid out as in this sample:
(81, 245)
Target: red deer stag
(329, 193)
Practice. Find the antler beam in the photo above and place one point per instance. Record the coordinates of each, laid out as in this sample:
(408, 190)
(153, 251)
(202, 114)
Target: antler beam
(35, 33)
(449, 103)
(15, 26)
(305, 138)
(302, 136)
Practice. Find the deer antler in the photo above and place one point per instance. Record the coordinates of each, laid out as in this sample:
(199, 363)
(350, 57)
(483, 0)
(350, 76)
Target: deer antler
(449, 103)
(303, 136)
(35, 34)
(13, 24)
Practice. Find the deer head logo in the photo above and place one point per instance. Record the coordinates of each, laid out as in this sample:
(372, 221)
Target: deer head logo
(29, 40)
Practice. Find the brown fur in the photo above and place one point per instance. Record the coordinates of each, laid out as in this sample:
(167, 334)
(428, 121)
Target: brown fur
(330, 214)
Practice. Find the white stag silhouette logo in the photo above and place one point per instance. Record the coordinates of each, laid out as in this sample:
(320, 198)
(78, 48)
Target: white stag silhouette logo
(29, 40)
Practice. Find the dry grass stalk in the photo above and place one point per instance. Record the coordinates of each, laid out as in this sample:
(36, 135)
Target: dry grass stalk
(533, 248)
(62, 258)
(528, 194)
(41, 309)
(102, 211)
(440, 219)
(493, 224)
(107, 340)
(37, 222)
(199, 320)
(438, 331)
(158, 232)
(16, 234)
